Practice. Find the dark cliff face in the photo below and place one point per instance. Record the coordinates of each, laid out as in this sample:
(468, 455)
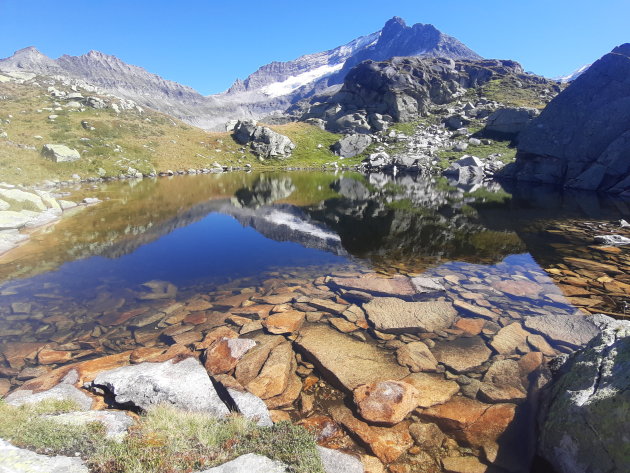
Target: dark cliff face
(582, 138)
(406, 87)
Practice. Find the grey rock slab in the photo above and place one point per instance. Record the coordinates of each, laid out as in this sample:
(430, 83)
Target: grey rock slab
(249, 463)
(572, 330)
(251, 406)
(61, 392)
(586, 424)
(60, 153)
(10, 219)
(185, 385)
(351, 145)
(339, 462)
(116, 422)
(21, 196)
(19, 460)
(9, 239)
(389, 314)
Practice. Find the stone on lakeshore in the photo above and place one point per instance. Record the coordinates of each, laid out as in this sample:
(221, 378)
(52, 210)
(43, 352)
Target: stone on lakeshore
(61, 392)
(343, 325)
(249, 463)
(47, 356)
(251, 406)
(427, 435)
(351, 145)
(274, 375)
(463, 465)
(471, 422)
(510, 339)
(417, 357)
(19, 460)
(398, 286)
(185, 385)
(339, 462)
(326, 430)
(116, 422)
(592, 265)
(60, 153)
(249, 366)
(385, 402)
(17, 353)
(215, 334)
(387, 443)
(290, 394)
(326, 305)
(347, 361)
(612, 240)
(518, 288)
(470, 326)
(585, 426)
(392, 315)
(462, 354)
(502, 383)
(10, 219)
(223, 355)
(34, 201)
(432, 388)
(284, 322)
(475, 310)
(574, 331)
(5, 386)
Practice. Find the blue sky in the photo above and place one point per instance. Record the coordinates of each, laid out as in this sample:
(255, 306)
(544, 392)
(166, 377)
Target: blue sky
(207, 44)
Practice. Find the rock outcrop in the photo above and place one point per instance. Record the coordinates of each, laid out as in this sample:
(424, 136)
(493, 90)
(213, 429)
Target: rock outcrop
(582, 138)
(263, 141)
(509, 122)
(402, 89)
(60, 153)
(586, 426)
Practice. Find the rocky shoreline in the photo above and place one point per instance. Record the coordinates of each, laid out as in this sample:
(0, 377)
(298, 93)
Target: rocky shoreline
(429, 372)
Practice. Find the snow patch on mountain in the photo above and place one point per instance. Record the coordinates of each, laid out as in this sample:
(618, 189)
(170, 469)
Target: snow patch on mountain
(574, 75)
(278, 89)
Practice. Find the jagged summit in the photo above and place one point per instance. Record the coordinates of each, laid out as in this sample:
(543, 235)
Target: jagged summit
(319, 70)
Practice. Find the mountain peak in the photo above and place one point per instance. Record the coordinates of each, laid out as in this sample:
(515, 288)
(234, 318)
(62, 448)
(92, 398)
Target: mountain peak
(29, 50)
(395, 20)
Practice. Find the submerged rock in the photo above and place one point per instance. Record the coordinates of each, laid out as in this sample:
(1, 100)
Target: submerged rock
(348, 361)
(586, 425)
(389, 314)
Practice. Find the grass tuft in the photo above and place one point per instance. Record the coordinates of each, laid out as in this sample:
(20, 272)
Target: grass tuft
(164, 440)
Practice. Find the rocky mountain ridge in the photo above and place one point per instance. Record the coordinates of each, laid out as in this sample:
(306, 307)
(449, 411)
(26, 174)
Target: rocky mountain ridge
(272, 88)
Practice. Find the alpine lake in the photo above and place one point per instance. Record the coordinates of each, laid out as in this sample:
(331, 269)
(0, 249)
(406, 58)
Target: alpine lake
(327, 273)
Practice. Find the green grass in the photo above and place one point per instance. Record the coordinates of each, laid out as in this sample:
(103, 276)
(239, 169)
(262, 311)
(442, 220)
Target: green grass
(507, 91)
(24, 426)
(164, 440)
(146, 142)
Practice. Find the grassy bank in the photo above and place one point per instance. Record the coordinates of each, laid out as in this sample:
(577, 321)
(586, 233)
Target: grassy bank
(164, 440)
(112, 143)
